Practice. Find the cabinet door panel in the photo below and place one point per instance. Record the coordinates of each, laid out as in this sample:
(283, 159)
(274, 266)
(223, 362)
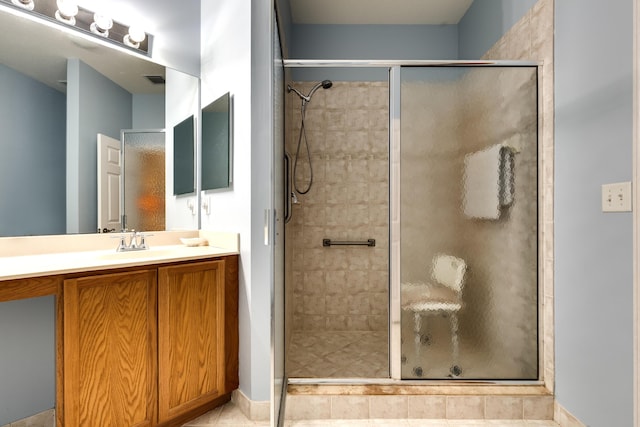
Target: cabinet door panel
(190, 336)
(109, 349)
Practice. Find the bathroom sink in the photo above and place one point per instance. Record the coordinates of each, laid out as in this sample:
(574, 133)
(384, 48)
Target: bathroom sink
(147, 253)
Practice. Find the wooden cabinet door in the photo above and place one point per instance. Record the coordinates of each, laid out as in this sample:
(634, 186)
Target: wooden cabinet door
(110, 349)
(191, 332)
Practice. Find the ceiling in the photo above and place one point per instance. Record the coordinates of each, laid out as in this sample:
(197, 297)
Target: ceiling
(401, 12)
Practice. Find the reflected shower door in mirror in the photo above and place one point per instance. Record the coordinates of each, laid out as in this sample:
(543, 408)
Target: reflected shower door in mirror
(144, 179)
(216, 143)
(469, 223)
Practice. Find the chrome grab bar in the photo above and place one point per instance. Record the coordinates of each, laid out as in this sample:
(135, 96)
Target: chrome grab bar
(329, 242)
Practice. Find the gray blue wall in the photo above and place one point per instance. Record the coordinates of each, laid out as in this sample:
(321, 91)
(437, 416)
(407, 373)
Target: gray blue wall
(32, 143)
(368, 42)
(593, 251)
(94, 105)
(148, 111)
(27, 358)
(374, 42)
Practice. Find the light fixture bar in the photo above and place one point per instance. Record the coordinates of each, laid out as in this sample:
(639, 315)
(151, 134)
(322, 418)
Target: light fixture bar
(120, 34)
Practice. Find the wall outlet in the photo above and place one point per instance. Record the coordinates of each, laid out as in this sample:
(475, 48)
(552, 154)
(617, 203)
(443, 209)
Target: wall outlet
(616, 197)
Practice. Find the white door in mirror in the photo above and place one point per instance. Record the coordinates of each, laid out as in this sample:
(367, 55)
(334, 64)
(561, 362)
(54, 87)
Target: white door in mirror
(109, 184)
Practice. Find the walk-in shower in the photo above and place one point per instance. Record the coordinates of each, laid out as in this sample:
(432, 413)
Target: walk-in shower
(438, 164)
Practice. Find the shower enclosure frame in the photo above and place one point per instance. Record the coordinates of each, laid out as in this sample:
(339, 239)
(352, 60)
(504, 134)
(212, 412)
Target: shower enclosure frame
(394, 67)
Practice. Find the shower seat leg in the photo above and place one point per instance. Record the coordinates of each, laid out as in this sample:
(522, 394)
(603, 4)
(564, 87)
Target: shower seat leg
(417, 326)
(455, 368)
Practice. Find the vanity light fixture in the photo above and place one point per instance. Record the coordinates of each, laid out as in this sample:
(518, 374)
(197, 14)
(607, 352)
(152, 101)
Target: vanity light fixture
(67, 11)
(25, 4)
(87, 22)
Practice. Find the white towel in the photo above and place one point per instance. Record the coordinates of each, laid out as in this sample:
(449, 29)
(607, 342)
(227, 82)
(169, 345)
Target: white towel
(488, 182)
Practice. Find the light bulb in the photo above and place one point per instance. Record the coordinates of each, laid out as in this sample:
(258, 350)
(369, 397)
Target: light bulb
(101, 24)
(135, 37)
(67, 10)
(25, 4)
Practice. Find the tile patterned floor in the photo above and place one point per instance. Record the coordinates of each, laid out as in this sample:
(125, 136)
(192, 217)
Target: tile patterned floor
(364, 354)
(338, 355)
(225, 415)
(229, 415)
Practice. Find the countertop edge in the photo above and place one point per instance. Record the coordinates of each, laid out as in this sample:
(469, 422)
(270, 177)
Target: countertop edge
(91, 261)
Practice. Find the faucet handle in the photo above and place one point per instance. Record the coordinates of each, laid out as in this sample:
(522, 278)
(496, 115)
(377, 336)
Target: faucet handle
(143, 243)
(122, 245)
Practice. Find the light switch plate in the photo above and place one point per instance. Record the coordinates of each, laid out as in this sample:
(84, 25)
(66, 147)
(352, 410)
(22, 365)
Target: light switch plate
(616, 197)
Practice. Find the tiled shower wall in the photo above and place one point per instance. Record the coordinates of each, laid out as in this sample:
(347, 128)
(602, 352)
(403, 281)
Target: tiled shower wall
(340, 288)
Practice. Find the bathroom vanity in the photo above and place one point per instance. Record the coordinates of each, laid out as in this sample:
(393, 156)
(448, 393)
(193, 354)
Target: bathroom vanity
(147, 338)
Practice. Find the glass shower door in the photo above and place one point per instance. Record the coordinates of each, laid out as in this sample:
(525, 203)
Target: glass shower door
(144, 179)
(468, 222)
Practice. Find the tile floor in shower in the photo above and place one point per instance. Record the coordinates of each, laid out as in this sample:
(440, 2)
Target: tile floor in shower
(364, 354)
(230, 415)
(321, 354)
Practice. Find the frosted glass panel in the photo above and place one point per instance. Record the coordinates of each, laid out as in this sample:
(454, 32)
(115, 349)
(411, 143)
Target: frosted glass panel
(144, 184)
(469, 235)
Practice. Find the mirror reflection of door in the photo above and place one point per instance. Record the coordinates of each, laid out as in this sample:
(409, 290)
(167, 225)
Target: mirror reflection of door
(109, 184)
(144, 179)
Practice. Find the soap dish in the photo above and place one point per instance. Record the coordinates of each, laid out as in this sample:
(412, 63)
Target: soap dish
(194, 241)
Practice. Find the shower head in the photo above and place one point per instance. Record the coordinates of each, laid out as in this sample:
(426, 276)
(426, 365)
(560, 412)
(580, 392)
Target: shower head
(325, 84)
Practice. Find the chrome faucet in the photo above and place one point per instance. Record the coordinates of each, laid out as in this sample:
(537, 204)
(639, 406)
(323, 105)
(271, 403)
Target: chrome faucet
(134, 244)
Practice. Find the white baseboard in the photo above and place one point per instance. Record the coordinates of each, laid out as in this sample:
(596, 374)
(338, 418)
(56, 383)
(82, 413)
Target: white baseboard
(253, 410)
(43, 419)
(565, 418)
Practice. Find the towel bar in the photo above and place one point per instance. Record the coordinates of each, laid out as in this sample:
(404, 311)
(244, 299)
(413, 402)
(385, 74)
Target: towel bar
(329, 242)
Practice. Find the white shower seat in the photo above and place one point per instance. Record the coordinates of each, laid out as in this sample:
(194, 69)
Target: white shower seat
(441, 296)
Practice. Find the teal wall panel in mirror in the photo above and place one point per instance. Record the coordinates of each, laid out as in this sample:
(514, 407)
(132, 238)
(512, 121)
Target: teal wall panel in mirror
(183, 157)
(216, 144)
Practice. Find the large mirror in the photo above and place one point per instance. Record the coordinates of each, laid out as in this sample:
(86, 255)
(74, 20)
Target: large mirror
(59, 91)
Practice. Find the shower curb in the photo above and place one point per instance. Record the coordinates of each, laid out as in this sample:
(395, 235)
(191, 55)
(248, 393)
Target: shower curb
(373, 401)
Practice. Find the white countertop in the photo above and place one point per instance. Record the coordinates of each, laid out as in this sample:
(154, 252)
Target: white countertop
(77, 259)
